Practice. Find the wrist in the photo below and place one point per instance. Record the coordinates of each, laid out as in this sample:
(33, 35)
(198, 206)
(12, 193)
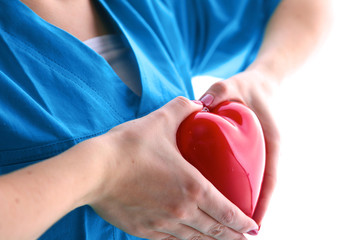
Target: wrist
(105, 152)
(93, 167)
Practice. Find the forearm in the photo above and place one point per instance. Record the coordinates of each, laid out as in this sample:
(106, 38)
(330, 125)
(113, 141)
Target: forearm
(293, 32)
(34, 198)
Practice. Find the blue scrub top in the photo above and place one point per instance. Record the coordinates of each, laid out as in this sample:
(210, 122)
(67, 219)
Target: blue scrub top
(56, 92)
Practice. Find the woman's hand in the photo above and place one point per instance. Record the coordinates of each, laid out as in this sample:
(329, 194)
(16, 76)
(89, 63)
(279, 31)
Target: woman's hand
(253, 88)
(133, 176)
(281, 52)
(150, 191)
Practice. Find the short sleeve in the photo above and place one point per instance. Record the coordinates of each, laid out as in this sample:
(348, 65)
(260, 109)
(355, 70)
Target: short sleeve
(222, 38)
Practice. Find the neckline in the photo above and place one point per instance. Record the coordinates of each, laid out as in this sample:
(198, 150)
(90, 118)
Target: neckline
(105, 40)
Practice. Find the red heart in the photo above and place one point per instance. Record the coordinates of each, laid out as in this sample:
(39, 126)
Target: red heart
(227, 146)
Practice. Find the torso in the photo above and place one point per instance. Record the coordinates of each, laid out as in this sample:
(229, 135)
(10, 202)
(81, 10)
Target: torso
(84, 19)
(56, 92)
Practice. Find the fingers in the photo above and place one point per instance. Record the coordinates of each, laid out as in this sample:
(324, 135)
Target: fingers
(201, 226)
(269, 182)
(254, 94)
(214, 217)
(181, 231)
(178, 109)
(210, 227)
(272, 144)
(217, 93)
(228, 214)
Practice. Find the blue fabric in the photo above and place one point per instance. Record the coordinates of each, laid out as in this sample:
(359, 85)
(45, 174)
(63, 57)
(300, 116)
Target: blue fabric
(56, 92)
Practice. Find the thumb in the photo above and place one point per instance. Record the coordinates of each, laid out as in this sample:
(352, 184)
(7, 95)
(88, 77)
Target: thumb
(178, 109)
(219, 92)
(218, 89)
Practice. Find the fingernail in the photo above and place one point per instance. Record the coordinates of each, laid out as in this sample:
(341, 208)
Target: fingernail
(253, 232)
(197, 102)
(207, 99)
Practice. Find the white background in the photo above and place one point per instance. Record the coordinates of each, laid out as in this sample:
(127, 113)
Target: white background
(318, 112)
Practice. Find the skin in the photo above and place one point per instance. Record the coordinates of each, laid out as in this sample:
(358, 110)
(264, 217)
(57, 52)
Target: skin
(113, 171)
(280, 54)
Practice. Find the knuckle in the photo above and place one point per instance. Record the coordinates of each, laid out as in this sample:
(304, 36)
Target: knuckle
(178, 212)
(158, 224)
(186, 203)
(163, 120)
(196, 237)
(219, 88)
(194, 191)
(217, 230)
(130, 135)
(182, 101)
(162, 114)
(228, 217)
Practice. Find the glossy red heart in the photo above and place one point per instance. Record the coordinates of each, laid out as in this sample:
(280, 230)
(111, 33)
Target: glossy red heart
(227, 146)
